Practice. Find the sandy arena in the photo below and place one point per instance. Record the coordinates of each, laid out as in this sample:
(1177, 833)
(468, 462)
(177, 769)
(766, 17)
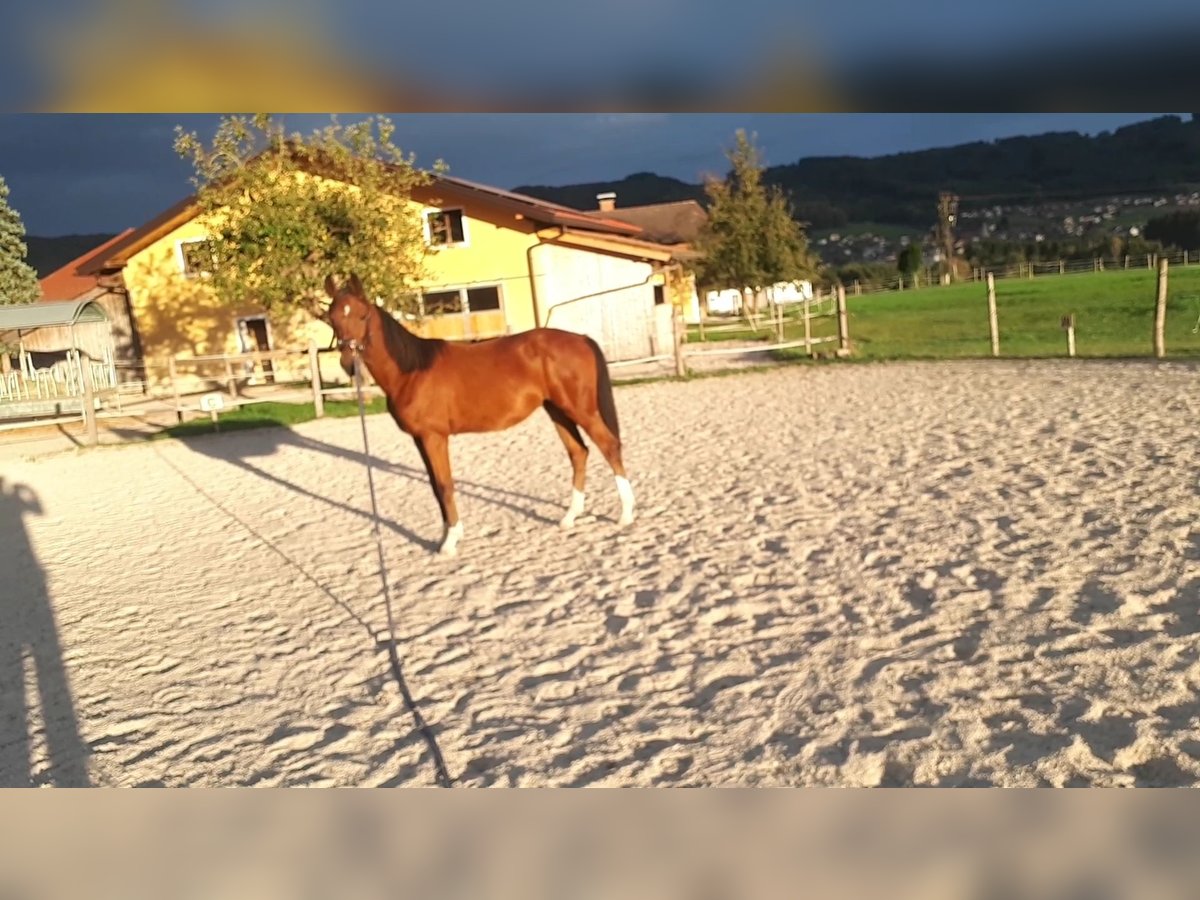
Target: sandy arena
(904, 574)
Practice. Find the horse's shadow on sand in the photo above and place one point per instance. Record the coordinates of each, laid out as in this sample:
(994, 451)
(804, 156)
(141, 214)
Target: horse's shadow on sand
(237, 448)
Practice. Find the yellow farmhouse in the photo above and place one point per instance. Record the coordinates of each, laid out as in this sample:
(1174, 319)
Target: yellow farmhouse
(500, 263)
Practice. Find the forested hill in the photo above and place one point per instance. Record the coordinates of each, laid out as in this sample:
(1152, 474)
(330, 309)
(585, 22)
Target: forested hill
(49, 253)
(1157, 155)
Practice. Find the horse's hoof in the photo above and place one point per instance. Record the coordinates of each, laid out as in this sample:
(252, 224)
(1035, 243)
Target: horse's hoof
(447, 552)
(450, 543)
(626, 519)
(567, 524)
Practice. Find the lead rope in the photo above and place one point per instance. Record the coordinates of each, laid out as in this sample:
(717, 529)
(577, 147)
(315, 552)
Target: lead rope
(443, 777)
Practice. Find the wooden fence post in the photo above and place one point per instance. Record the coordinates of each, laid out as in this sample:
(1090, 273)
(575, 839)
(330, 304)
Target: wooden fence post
(1160, 310)
(230, 381)
(314, 369)
(843, 323)
(993, 325)
(89, 400)
(808, 328)
(172, 374)
(1068, 324)
(677, 329)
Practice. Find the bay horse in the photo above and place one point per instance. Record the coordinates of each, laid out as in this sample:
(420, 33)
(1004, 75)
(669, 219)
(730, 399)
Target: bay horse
(436, 388)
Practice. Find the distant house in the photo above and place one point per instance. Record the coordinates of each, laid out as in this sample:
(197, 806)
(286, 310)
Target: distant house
(732, 302)
(676, 225)
(500, 263)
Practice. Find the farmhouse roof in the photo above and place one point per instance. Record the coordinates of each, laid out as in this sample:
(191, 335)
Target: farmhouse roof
(533, 207)
(76, 277)
(444, 189)
(677, 222)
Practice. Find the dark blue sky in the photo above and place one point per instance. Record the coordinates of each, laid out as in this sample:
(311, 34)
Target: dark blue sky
(102, 173)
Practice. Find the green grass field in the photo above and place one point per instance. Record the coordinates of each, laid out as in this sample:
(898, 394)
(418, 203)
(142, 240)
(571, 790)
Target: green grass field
(1114, 316)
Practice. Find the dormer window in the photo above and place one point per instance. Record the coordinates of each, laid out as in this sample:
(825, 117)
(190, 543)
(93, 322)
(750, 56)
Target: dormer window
(445, 227)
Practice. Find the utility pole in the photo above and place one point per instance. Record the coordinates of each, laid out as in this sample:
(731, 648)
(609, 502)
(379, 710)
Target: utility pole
(947, 216)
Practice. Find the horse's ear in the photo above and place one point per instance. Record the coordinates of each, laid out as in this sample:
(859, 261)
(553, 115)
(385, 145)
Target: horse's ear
(356, 285)
(330, 287)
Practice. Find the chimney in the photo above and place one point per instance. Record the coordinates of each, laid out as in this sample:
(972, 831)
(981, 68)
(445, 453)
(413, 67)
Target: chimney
(608, 201)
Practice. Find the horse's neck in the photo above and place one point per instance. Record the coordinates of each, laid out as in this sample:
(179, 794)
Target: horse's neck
(398, 357)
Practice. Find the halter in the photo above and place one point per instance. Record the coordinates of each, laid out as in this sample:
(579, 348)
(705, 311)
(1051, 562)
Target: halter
(357, 346)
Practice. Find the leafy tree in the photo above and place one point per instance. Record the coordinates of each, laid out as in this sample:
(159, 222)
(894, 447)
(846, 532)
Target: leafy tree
(865, 273)
(751, 239)
(910, 259)
(285, 210)
(18, 281)
(1178, 229)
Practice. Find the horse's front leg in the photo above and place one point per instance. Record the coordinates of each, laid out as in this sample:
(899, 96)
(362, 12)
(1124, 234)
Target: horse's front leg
(435, 452)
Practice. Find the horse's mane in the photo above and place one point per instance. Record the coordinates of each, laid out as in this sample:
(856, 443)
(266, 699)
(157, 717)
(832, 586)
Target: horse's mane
(411, 352)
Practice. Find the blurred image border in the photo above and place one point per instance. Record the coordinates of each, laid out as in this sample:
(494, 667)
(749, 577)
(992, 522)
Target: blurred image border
(900, 843)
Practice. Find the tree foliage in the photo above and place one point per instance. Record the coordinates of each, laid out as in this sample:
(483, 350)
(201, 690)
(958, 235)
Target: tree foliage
(751, 239)
(910, 259)
(18, 280)
(285, 210)
(1178, 229)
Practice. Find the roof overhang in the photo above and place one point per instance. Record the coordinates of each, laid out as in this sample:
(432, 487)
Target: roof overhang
(607, 243)
(30, 316)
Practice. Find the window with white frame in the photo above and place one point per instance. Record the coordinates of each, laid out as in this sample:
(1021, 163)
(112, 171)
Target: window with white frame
(445, 227)
(196, 257)
(442, 303)
(476, 299)
(485, 298)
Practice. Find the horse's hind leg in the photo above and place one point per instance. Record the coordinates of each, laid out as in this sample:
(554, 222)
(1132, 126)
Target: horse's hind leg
(609, 446)
(435, 453)
(578, 452)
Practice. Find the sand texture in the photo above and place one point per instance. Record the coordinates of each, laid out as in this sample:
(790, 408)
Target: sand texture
(902, 574)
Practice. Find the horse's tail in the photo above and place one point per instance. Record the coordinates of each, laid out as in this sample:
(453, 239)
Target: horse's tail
(604, 392)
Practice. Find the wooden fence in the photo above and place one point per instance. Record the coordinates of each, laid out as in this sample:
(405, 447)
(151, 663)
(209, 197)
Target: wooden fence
(182, 387)
(773, 322)
(1037, 268)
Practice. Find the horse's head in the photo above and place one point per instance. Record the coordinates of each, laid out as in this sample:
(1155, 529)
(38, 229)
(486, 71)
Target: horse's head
(349, 317)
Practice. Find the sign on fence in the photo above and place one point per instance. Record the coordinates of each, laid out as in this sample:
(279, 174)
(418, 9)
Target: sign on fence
(212, 402)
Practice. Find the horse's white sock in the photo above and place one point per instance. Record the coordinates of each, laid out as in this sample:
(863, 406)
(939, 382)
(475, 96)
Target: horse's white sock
(574, 510)
(453, 535)
(625, 492)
